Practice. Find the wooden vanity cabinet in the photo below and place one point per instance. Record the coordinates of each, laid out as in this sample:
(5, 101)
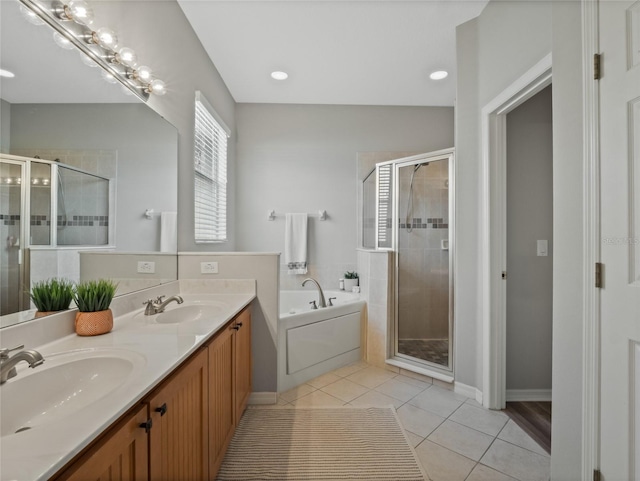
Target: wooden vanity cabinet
(121, 455)
(179, 411)
(183, 428)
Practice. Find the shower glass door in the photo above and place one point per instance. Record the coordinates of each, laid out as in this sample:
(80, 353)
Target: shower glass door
(11, 232)
(422, 239)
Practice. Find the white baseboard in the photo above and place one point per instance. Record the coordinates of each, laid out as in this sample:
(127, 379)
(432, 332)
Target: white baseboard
(469, 391)
(528, 394)
(263, 398)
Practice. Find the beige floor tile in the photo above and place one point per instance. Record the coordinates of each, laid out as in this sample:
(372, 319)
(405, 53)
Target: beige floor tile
(418, 421)
(399, 390)
(448, 386)
(296, 392)
(442, 464)
(317, 399)
(512, 433)
(414, 439)
(473, 402)
(350, 368)
(374, 398)
(438, 401)
(461, 439)
(480, 419)
(484, 473)
(371, 377)
(322, 381)
(415, 375)
(517, 462)
(345, 390)
(413, 381)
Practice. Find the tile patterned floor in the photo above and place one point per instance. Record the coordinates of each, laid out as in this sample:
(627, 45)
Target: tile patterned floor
(455, 438)
(432, 350)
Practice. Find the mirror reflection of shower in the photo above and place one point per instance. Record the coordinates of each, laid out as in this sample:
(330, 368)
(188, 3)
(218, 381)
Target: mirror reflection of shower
(424, 322)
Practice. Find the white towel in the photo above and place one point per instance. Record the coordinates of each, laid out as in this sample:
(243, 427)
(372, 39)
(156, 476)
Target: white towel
(169, 232)
(295, 243)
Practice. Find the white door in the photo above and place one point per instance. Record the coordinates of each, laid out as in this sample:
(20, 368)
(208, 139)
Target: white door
(620, 230)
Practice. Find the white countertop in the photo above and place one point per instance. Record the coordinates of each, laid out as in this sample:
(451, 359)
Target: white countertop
(156, 350)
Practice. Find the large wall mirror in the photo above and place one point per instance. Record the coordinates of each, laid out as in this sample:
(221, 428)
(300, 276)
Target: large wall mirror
(86, 168)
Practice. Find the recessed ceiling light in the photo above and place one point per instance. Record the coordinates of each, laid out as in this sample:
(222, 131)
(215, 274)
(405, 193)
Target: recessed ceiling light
(279, 75)
(6, 73)
(439, 75)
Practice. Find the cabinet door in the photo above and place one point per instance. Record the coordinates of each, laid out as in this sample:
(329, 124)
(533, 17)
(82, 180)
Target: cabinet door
(178, 437)
(243, 362)
(122, 455)
(221, 396)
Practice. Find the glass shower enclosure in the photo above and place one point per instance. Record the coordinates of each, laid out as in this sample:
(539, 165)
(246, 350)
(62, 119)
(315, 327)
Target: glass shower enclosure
(414, 218)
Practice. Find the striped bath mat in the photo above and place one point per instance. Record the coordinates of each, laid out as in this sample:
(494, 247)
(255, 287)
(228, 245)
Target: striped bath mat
(319, 444)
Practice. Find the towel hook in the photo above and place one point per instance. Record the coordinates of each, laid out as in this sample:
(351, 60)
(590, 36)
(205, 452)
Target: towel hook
(271, 215)
(148, 214)
(322, 214)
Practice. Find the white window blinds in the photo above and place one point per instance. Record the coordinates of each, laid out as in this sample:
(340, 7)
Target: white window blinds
(210, 166)
(384, 205)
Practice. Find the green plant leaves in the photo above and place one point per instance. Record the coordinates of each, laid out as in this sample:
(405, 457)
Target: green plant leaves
(52, 294)
(93, 296)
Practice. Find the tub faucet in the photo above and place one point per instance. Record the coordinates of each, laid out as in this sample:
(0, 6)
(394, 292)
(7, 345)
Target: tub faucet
(8, 363)
(157, 306)
(321, 300)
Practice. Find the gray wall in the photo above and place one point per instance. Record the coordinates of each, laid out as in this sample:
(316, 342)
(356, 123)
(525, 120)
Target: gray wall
(493, 51)
(529, 218)
(146, 148)
(162, 37)
(5, 126)
(302, 158)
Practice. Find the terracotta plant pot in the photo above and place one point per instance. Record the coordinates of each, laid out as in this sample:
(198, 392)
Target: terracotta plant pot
(94, 323)
(44, 313)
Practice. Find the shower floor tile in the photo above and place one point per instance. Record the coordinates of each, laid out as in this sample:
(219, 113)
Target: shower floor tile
(432, 350)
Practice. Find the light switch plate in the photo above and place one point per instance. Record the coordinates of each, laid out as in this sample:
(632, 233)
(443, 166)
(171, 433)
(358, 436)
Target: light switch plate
(208, 268)
(146, 267)
(543, 248)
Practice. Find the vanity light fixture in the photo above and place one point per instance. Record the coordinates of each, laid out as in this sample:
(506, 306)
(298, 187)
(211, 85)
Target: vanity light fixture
(6, 73)
(73, 22)
(439, 75)
(278, 75)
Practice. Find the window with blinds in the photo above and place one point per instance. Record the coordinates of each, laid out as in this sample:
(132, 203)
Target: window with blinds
(210, 166)
(384, 205)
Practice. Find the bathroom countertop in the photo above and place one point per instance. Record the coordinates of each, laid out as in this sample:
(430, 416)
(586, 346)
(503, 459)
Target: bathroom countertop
(155, 350)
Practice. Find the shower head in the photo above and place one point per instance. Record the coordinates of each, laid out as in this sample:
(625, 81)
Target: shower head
(417, 166)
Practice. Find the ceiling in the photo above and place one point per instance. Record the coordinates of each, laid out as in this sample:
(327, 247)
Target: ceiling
(335, 52)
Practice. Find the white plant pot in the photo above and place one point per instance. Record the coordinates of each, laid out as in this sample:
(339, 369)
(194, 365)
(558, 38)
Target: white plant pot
(349, 284)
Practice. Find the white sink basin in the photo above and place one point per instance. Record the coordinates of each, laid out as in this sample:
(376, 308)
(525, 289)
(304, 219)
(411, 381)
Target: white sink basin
(64, 384)
(192, 312)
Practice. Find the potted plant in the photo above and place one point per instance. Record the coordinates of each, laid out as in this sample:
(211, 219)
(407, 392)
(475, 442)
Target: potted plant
(51, 296)
(350, 280)
(93, 299)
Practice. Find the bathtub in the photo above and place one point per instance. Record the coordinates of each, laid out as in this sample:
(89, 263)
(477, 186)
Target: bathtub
(312, 342)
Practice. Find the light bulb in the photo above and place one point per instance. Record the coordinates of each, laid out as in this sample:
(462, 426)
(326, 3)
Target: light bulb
(105, 37)
(79, 11)
(127, 56)
(62, 41)
(143, 73)
(157, 87)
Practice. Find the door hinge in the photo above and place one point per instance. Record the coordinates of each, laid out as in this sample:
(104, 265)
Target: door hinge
(599, 268)
(504, 274)
(597, 66)
(596, 475)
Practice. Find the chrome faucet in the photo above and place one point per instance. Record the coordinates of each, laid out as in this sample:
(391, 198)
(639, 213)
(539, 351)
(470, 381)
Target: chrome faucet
(157, 306)
(8, 363)
(321, 300)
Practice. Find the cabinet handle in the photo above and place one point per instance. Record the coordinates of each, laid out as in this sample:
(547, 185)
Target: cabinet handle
(147, 425)
(235, 327)
(239, 324)
(162, 409)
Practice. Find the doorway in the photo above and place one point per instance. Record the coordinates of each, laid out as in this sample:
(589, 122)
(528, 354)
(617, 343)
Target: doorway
(529, 282)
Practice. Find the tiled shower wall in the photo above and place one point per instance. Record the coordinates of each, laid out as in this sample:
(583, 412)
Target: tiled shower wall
(423, 259)
(10, 235)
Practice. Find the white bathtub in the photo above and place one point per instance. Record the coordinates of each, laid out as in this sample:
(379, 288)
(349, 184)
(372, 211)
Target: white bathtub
(312, 342)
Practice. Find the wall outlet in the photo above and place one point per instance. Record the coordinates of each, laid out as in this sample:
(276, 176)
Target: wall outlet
(146, 267)
(208, 268)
